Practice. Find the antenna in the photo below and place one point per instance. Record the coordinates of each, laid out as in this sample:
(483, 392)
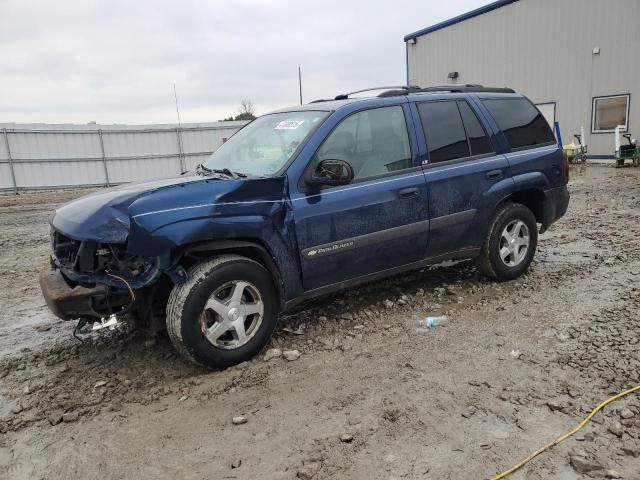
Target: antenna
(300, 83)
(179, 130)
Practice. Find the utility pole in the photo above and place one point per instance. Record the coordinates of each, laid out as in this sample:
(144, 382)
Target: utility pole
(179, 133)
(300, 83)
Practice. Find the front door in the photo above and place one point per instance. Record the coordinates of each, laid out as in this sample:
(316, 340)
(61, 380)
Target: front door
(378, 221)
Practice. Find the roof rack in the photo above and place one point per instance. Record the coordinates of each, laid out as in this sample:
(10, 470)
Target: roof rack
(397, 91)
(468, 88)
(344, 96)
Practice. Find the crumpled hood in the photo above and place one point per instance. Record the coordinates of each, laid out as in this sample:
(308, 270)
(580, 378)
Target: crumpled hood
(103, 215)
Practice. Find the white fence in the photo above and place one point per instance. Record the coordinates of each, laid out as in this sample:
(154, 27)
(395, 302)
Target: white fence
(39, 156)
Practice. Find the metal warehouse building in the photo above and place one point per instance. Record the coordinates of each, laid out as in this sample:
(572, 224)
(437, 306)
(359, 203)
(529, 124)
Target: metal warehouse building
(578, 60)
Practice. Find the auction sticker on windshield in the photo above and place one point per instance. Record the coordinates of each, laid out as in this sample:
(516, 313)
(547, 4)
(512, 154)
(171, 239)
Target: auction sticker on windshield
(288, 124)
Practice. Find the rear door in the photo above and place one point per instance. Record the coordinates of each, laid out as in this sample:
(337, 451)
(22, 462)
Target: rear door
(534, 157)
(377, 222)
(461, 171)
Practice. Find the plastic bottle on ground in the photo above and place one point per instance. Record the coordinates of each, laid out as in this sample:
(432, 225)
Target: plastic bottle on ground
(429, 322)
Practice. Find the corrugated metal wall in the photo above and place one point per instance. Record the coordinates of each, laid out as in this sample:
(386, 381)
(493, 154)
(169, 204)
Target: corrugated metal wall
(39, 156)
(543, 49)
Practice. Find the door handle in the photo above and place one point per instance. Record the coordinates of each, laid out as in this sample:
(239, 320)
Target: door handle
(409, 192)
(494, 174)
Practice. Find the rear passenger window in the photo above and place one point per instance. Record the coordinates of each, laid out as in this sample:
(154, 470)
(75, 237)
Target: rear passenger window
(523, 125)
(452, 130)
(478, 141)
(443, 130)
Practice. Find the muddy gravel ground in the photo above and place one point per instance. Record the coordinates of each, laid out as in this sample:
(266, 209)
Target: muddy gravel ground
(370, 397)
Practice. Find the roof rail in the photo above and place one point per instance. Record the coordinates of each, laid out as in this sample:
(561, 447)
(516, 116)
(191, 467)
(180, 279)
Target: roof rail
(344, 96)
(398, 91)
(468, 88)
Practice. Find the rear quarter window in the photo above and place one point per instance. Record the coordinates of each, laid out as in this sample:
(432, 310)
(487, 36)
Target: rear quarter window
(522, 124)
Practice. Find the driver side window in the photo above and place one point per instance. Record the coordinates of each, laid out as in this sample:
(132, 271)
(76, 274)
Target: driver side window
(374, 142)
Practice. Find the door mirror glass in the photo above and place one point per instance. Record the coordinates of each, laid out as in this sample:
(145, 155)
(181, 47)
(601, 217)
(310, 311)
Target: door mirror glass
(332, 172)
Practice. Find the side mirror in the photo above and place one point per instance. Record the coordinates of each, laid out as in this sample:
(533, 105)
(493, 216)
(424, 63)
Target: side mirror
(332, 172)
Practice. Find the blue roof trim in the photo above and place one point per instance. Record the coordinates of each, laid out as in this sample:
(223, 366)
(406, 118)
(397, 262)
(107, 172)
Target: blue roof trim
(459, 18)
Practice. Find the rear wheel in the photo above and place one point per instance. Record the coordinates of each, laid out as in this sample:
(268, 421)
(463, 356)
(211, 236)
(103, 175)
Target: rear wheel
(225, 313)
(510, 243)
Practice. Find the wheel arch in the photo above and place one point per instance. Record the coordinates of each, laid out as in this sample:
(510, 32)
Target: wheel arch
(532, 198)
(252, 249)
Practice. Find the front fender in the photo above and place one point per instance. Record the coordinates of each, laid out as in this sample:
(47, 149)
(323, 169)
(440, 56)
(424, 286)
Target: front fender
(268, 224)
(203, 210)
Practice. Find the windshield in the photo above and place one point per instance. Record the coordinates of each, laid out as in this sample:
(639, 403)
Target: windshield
(265, 145)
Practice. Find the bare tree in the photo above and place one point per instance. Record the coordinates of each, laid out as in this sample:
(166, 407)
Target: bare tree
(247, 110)
(247, 107)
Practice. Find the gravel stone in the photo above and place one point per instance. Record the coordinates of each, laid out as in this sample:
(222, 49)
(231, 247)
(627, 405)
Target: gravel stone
(469, 412)
(582, 465)
(239, 420)
(272, 353)
(555, 406)
(346, 438)
(612, 474)
(70, 417)
(291, 355)
(54, 418)
(308, 471)
(626, 413)
(616, 428)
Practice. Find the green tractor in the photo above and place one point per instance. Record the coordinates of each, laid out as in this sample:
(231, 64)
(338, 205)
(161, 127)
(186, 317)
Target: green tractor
(628, 151)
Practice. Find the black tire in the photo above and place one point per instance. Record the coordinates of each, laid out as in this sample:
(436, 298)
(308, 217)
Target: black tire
(489, 262)
(187, 303)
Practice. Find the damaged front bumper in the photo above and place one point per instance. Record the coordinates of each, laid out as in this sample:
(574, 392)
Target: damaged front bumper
(70, 302)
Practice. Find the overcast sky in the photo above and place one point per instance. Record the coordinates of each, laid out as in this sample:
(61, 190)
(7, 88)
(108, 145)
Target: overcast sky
(116, 62)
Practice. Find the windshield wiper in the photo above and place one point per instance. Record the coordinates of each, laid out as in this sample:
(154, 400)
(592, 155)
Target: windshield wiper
(200, 168)
(224, 171)
(230, 173)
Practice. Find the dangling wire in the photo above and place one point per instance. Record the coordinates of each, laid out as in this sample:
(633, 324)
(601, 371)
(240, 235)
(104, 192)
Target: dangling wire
(133, 296)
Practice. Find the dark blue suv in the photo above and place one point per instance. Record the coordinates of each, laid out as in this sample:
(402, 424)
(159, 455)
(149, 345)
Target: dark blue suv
(310, 200)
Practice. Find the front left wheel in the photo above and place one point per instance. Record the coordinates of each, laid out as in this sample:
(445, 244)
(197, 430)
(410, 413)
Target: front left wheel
(224, 313)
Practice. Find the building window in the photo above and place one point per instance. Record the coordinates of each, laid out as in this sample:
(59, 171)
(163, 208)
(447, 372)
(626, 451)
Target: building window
(609, 112)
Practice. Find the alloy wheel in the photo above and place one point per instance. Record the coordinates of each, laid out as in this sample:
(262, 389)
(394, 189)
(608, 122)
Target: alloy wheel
(232, 315)
(514, 243)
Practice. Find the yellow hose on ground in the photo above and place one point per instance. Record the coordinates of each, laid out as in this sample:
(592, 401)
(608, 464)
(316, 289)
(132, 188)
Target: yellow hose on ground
(568, 434)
